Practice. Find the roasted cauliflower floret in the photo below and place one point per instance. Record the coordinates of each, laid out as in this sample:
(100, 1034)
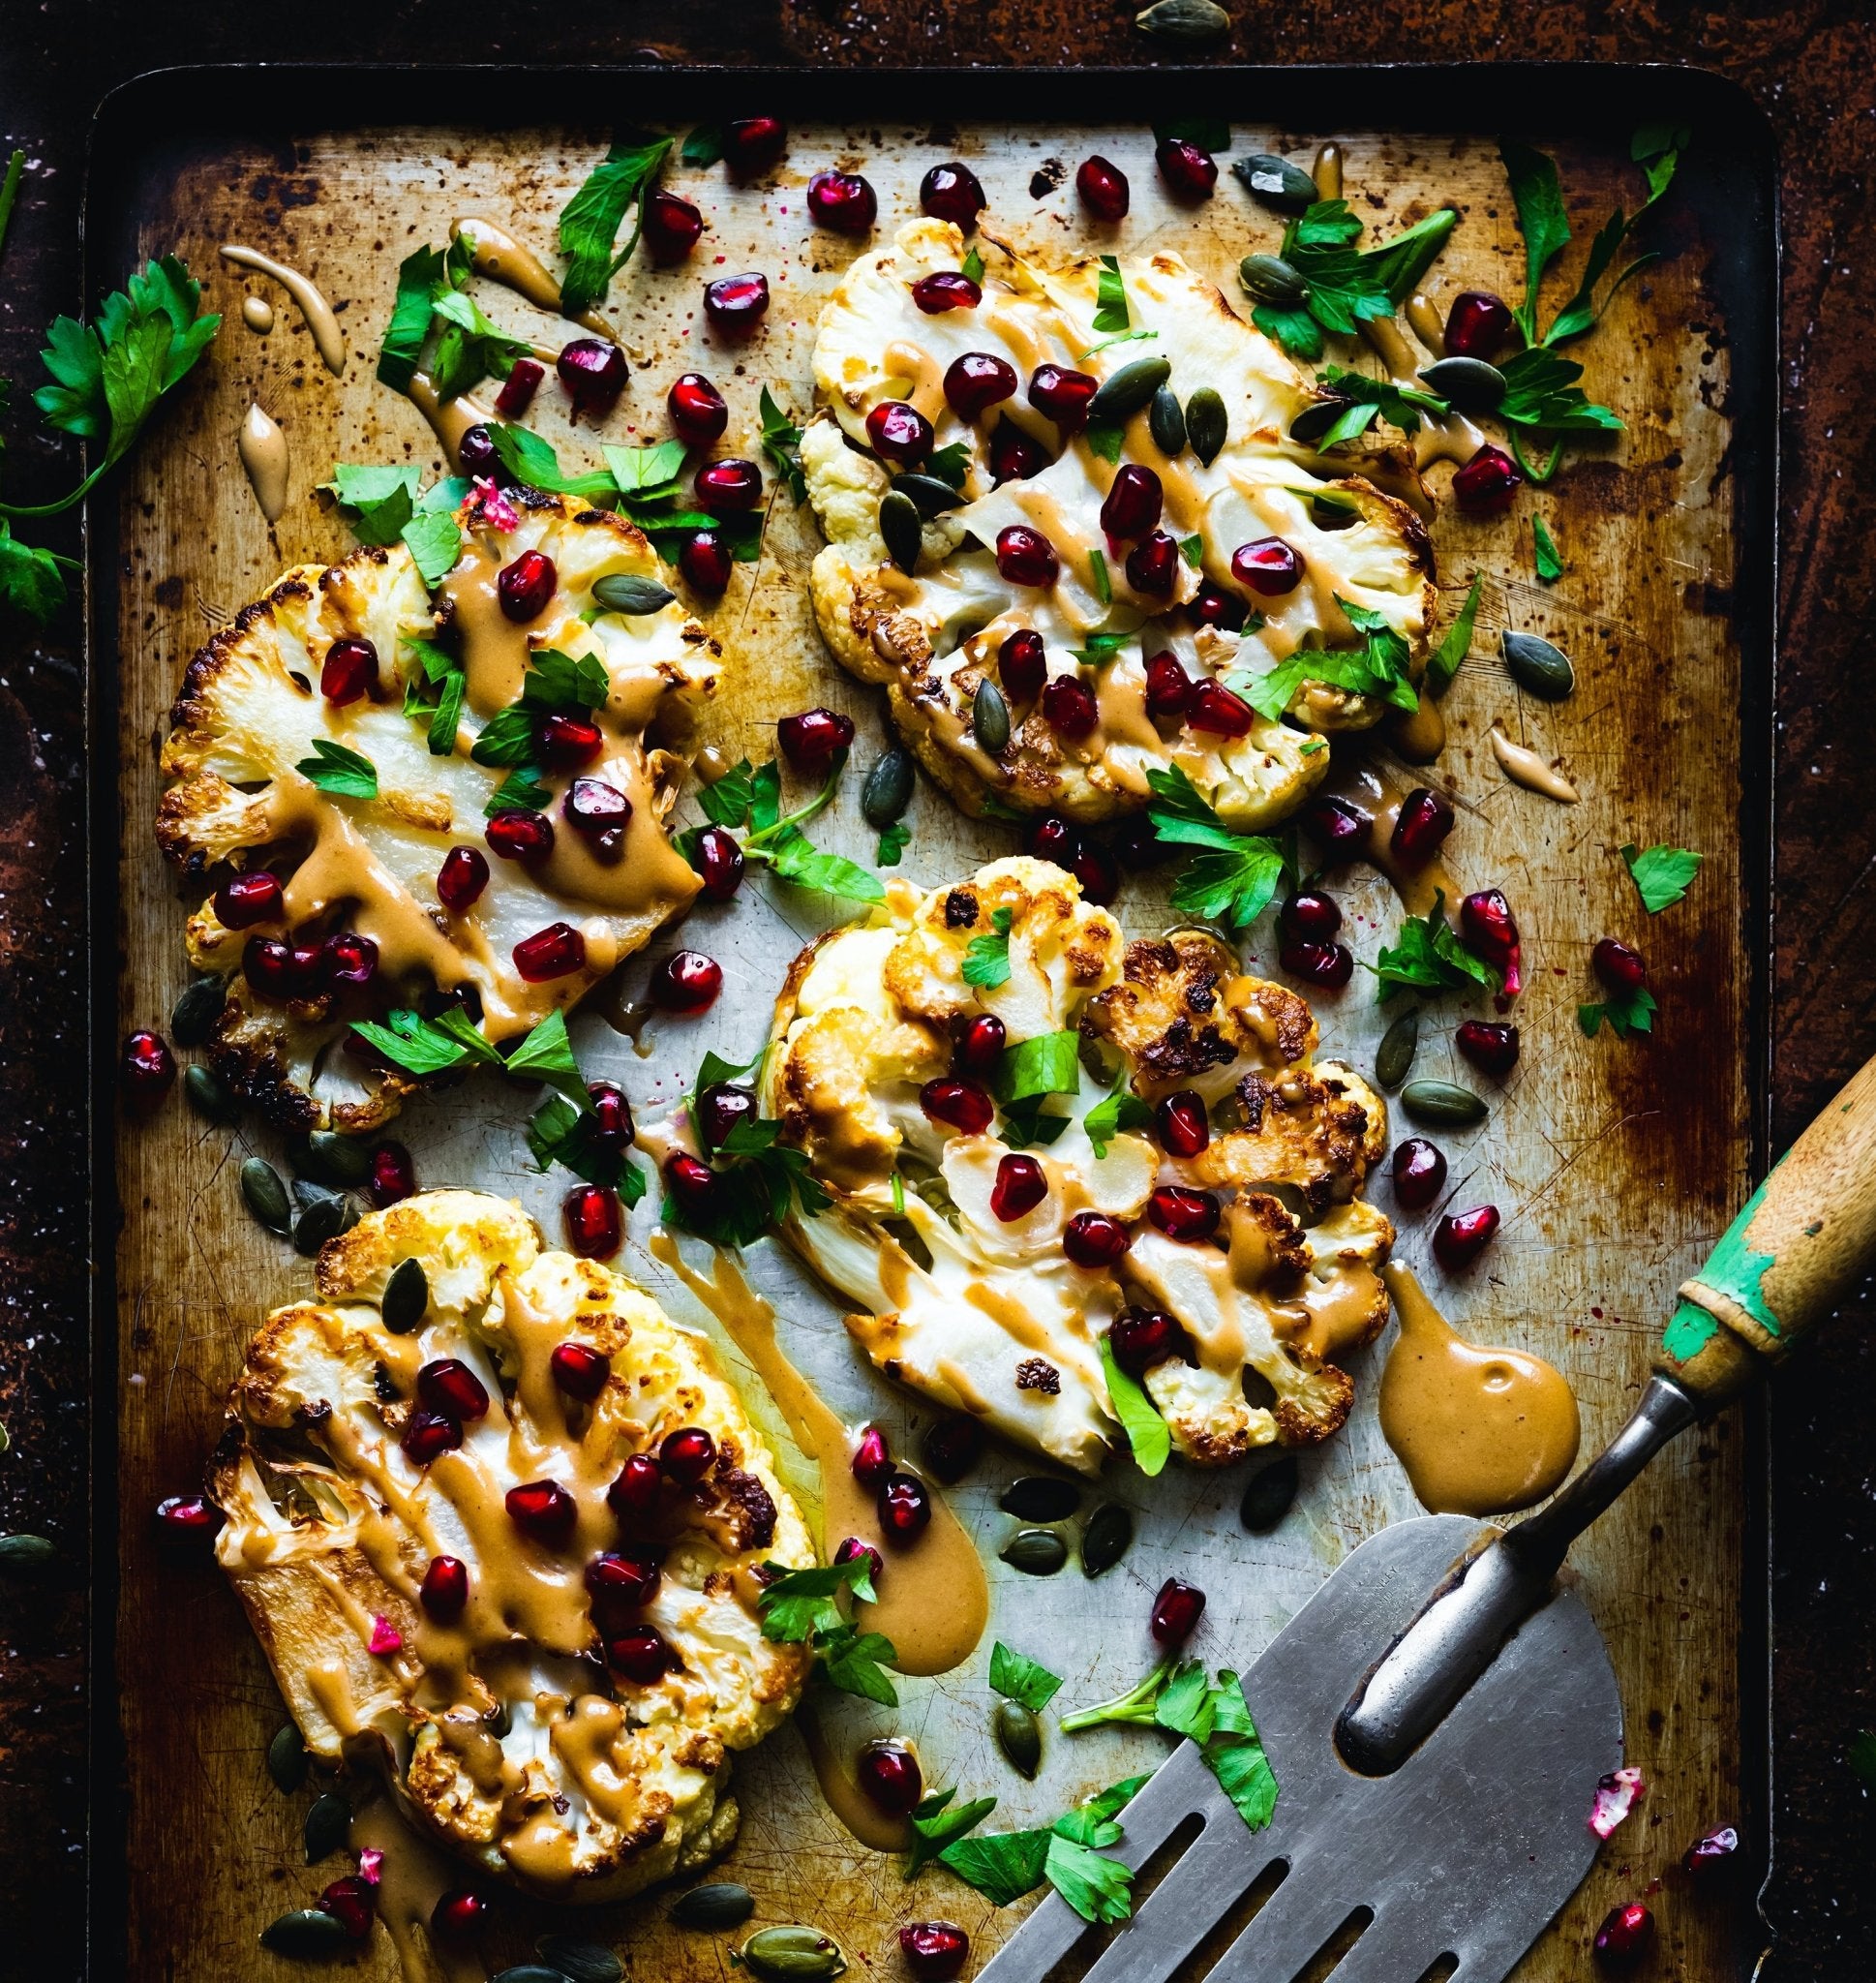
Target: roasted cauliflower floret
(336, 770)
(365, 1447)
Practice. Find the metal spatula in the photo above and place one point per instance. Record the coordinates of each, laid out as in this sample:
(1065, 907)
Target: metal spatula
(1438, 1713)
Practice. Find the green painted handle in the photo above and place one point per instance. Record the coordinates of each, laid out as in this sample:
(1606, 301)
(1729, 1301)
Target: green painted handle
(1804, 1239)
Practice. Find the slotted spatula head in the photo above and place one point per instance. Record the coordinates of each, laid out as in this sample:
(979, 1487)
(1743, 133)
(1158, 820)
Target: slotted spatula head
(1465, 1851)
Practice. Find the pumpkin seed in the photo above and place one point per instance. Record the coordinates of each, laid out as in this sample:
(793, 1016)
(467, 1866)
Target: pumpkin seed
(991, 718)
(1041, 1498)
(306, 1933)
(888, 790)
(287, 1759)
(406, 1297)
(265, 1195)
(1107, 1539)
(1166, 421)
(580, 1962)
(622, 592)
(529, 1972)
(1468, 383)
(1019, 1736)
(193, 1017)
(722, 1904)
(340, 1161)
(1441, 1102)
(792, 1955)
(1268, 1496)
(1184, 21)
(1035, 1552)
(1125, 391)
(1270, 279)
(1315, 421)
(207, 1093)
(323, 1220)
(901, 526)
(931, 497)
(1207, 424)
(1395, 1054)
(1540, 668)
(329, 1824)
(1275, 181)
(26, 1556)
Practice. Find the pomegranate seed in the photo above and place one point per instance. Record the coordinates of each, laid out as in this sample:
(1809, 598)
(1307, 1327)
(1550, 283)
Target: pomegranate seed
(1625, 1936)
(707, 562)
(444, 1591)
(673, 227)
(719, 862)
(518, 835)
(950, 1447)
(276, 972)
(593, 370)
(1478, 325)
(394, 1177)
(693, 1185)
(1424, 821)
(543, 1510)
(872, 1460)
(450, 1385)
(899, 433)
(980, 1046)
(812, 740)
(1015, 455)
(687, 1455)
(752, 144)
(945, 291)
(1142, 1337)
(1183, 1126)
(475, 455)
(1486, 924)
(1169, 689)
(1103, 186)
(1069, 708)
(1310, 914)
(350, 671)
(889, 1774)
(731, 486)
(1061, 396)
(524, 587)
(641, 1656)
(349, 1901)
(347, 958)
(1216, 709)
(934, 1951)
(634, 1496)
(687, 982)
(1211, 606)
(462, 878)
(1490, 1047)
(721, 1108)
(1022, 664)
(1153, 566)
(1019, 1188)
(698, 411)
(1328, 964)
(556, 952)
(1176, 1611)
(244, 899)
(1619, 967)
(1094, 1241)
(856, 1550)
(1419, 1171)
(976, 383)
(1054, 839)
(148, 1067)
(1487, 483)
(1189, 171)
(619, 1582)
(736, 303)
(519, 388)
(842, 201)
(1268, 566)
(568, 743)
(959, 1105)
(1133, 502)
(1098, 872)
(1459, 1237)
(458, 1913)
(1709, 1860)
(1025, 556)
(905, 1508)
(598, 813)
(611, 1126)
(951, 192)
(578, 1370)
(1182, 1214)
(429, 1434)
(188, 1521)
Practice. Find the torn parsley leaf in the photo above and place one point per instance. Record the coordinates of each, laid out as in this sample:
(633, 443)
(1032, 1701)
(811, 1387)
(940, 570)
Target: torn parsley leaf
(937, 1822)
(421, 276)
(1377, 667)
(1003, 1867)
(753, 798)
(1427, 956)
(1048, 1064)
(781, 443)
(471, 348)
(1110, 298)
(1104, 584)
(1541, 392)
(590, 220)
(337, 769)
(972, 266)
(1229, 877)
(1549, 559)
(892, 843)
(31, 580)
(801, 1607)
(1541, 220)
(950, 465)
(704, 146)
(1024, 1681)
(1445, 662)
(1140, 1419)
(436, 544)
(1662, 875)
(383, 499)
(531, 459)
(1118, 1110)
(987, 960)
(559, 1133)
(1008, 1864)
(1346, 287)
(1369, 399)
(1627, 1012)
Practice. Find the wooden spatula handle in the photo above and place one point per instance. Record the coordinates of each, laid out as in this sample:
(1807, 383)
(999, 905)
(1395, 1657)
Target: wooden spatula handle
(1804, 1237)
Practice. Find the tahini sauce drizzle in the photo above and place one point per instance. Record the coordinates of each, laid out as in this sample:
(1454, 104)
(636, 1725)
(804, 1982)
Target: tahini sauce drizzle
(1526, 768)
(327, 337)
(1480, 1431)
(413, 1878)
(842, 1794)
(262, 449)
(258, 314)
(449, 418)
(1373, 794)
(504, 259)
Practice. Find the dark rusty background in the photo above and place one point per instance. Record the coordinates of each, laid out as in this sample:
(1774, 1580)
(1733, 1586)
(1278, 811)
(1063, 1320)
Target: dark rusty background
(1812, 69)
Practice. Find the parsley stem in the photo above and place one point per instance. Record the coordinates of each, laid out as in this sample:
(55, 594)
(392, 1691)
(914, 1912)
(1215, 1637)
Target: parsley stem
(1531, 468)
(1136, 1704)
(9, 191)
(818, 803)
(64, 503)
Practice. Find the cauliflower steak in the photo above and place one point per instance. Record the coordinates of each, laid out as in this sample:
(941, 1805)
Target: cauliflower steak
(1057, 1160)
(423, 1524)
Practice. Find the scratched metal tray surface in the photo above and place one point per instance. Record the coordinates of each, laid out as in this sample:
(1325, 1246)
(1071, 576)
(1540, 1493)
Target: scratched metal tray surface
(1615, 1164)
